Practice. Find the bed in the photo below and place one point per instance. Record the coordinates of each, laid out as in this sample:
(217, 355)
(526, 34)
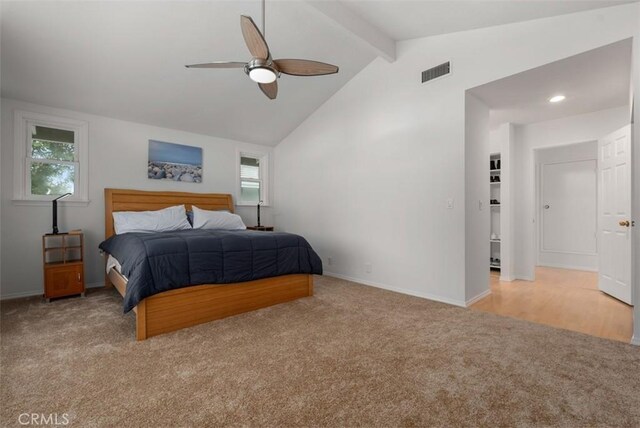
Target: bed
(187, 306)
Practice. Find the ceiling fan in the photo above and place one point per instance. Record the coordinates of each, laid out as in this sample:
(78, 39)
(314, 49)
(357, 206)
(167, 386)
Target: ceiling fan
(264, 70)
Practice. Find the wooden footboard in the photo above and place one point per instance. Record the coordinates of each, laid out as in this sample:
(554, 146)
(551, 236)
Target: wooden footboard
(185, 307)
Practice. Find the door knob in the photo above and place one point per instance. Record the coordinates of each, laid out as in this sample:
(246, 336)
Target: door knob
(546, 207)
(624, 223)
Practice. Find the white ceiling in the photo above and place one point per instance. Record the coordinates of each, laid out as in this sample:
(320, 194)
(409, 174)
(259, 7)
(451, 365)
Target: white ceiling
(125, 59)
(410, 19)
(595, 80)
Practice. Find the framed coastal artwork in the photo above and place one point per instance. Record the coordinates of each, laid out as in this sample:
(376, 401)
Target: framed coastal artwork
(177, 162)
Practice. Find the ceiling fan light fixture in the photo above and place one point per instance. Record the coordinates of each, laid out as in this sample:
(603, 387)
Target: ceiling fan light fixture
(262, 75)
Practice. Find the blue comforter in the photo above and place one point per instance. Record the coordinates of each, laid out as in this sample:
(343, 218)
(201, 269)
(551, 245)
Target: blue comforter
(157, 262)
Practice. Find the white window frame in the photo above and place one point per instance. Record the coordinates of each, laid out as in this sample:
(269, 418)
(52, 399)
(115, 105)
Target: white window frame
(264, 177)
(23, 123)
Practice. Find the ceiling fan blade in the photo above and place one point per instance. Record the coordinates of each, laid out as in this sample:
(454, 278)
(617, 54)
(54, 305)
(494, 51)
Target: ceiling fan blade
(270, 89)
(218, 64)
(304, 67)
(253, 38)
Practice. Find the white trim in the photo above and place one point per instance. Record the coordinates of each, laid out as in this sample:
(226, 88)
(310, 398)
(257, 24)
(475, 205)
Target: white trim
(480, 296)
(20, 295)
(573, 253)
(264, 176)
(525, 277)
(94, 285)
(24, 294)
(428, 296)
(571, 267)
(20, 178)
(635, 340)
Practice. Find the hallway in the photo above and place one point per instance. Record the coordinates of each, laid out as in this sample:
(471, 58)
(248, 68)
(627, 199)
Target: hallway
(562, 298)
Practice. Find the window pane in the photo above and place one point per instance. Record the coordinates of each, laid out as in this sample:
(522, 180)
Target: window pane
(249, 168)
(250, 191)
(51, 178)
(52, 150)
(51, 143)
(52, 134)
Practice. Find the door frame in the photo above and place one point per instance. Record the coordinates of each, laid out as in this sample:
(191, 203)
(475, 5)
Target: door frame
(536, 195)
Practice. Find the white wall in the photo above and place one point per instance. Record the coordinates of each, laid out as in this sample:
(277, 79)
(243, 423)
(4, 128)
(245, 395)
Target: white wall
(367, 176)
(117, 158)
(585, 260)
(635, 84)
(570, 130)
(477, 210)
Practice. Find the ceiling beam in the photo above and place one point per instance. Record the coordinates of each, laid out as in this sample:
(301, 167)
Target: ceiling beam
(376, 39)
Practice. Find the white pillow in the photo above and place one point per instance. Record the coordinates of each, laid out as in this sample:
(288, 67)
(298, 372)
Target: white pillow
(168, 219)
(205, 219)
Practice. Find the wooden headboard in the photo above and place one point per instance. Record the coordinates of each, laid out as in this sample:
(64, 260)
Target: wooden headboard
(142, 200)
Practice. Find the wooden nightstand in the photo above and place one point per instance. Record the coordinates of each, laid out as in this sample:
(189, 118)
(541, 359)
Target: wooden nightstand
(263, 228)
(63, 264)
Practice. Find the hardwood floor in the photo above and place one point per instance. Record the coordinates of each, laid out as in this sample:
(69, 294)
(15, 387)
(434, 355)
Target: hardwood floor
(562, 298)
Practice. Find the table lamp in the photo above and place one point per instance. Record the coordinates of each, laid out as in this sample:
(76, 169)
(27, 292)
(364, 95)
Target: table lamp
(55, 212)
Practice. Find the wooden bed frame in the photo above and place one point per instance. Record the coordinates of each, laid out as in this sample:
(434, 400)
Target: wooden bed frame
(184, 307)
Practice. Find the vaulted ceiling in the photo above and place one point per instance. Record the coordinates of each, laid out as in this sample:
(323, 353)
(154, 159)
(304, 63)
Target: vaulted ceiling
(126, 59)
(410, 19)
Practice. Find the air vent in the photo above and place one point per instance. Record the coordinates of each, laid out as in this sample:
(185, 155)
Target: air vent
(437, 71)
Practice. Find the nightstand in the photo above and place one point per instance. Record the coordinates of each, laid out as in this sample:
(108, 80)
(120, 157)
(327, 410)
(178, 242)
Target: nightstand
(262, 228)
(63, 264)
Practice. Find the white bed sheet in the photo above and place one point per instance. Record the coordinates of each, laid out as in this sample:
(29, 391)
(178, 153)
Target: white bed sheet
(115, 264)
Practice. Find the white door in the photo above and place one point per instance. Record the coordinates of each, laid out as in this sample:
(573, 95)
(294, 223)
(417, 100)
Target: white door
(569, 210)
(614, 209)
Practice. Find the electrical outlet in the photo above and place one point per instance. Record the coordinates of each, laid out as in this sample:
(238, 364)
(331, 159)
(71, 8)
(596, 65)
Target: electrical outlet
(329, 261)
(450, 203)
(367, 267)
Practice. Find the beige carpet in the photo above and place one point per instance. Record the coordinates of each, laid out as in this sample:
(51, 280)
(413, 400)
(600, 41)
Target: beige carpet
(349, 356)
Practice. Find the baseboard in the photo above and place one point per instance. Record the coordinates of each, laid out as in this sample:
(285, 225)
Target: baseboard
(398, 289)
(24, 294)
(94, 285)
(480, 296)
(507, 278)
(635, 340)
(571, 267)
(524, 277)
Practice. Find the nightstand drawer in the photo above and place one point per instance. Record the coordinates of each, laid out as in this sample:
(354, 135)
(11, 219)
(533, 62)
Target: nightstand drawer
(63, 280)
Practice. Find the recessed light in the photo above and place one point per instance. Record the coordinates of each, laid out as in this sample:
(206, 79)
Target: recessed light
(557, 98)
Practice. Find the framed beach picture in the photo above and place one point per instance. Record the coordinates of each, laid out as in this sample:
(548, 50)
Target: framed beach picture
(177, 162)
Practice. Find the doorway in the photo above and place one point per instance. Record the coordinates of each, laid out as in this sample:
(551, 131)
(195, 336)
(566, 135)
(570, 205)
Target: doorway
(558, 213)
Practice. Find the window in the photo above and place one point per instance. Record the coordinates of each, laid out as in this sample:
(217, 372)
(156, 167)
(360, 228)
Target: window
(252, 179)
(51, 158)
(52, 161)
